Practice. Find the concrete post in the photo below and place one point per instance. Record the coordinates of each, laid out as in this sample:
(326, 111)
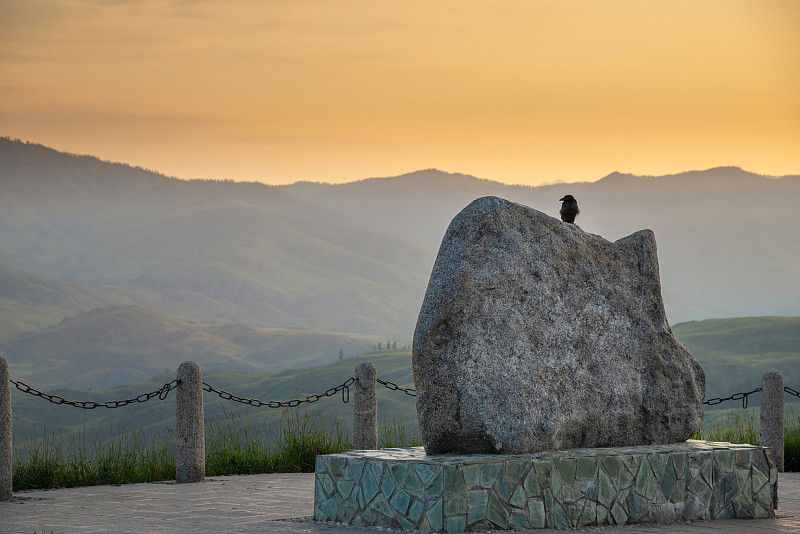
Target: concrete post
(772, 415)
(6, 458)
(365, 424)
(190, 443)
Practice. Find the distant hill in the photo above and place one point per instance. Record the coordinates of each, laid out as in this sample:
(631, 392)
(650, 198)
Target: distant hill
(120, 345)
(727, 238)
(83, 236)
(736, 353)
(209, 251)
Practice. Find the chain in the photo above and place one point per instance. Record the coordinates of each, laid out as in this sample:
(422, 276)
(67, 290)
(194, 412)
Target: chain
(161, 393)
(735, 396)
(394, 387)
(791, 391)
(344, 388)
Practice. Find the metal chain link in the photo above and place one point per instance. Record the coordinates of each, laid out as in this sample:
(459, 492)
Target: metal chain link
(344, 388)
(394, 387)
(791, 391)
(161, 393)
(735, 396)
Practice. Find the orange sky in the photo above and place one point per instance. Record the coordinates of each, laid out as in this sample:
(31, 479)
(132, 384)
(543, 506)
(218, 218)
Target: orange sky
(521, 91)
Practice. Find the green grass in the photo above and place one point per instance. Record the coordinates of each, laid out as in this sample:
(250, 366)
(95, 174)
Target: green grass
(234, 445)
(743, 426)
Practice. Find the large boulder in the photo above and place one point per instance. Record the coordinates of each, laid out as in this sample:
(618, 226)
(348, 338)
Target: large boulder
(535, 335)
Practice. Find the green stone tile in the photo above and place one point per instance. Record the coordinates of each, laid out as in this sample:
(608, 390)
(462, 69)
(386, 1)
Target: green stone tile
(405, 523)
(413, 484)
(761, 512)
(679, 463)
(369, 486)
(416, 510)
(370, 517)
(602, 515)
(560, 519)
(630, 463)
(518, 498)
(555, 483)
(453, 480)
(531, 484)
(344, 487)
(725, 460)
(637, 507)
(435, 486)
(610, 464)
(619, 514)
(354, 468)
(536, 513)
(742, 460)
(645, 481)
(503, 488)
(454, 524)
(549, 508)
(688, 508)
(587, 468)
(588, 515)
(543, 471)
(472, 475)
(455, 504)
(330, 509)
(568, 494)
(678, 492)
(348, 510)
(425, 471)
(387, 484)
(381, 505)
(434, 515)
(336, 466)
(606, 491)
(573, 511)
(401, 501)
(398, 472)
(515, 471)
(327, 484)
(489, 473)
(519, 521)
(658, 462)
(625, 478)
(496, 512)
(477, 501)
(701, 490)
(566, 468)
(708, 471)
(668, 481)
(377, 469)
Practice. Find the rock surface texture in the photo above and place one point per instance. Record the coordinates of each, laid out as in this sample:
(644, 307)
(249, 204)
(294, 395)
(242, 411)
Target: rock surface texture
(535, 335)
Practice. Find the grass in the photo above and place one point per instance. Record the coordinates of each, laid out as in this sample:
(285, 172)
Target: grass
(234, 445)
(743, 426)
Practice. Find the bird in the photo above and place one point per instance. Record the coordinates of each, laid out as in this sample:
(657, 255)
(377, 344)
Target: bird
(569, 209)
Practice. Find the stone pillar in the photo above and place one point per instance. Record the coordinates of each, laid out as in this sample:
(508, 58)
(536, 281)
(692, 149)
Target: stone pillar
(6, 458)
(190, 444)
(365, 424)
(772, 415)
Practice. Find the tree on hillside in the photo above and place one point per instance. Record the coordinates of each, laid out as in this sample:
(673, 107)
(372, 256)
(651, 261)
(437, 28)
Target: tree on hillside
(341, 353)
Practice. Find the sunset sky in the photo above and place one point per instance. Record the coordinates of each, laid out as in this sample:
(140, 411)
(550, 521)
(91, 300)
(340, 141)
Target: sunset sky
(521, 91)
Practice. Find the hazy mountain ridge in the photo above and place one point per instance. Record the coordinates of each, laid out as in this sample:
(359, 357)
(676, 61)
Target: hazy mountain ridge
(214, 251)
(352, 257)
(118, 345)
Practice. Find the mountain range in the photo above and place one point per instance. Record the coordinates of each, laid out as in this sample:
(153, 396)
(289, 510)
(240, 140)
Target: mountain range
(86, 243)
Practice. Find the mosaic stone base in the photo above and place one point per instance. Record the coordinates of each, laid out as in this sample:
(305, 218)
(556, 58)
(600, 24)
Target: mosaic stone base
(615, 486)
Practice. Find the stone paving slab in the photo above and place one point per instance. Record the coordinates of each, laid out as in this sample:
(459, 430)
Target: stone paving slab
(276, 503)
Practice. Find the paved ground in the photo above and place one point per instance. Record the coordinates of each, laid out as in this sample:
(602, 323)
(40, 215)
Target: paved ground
(280, 503)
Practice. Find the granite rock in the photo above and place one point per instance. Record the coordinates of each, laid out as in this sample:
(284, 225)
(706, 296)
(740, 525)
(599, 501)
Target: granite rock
(536, 335)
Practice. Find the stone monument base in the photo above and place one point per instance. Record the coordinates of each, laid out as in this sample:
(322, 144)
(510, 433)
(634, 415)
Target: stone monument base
(405, 488)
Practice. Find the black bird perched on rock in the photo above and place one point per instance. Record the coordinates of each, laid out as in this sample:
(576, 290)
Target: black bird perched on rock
(569, 209)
